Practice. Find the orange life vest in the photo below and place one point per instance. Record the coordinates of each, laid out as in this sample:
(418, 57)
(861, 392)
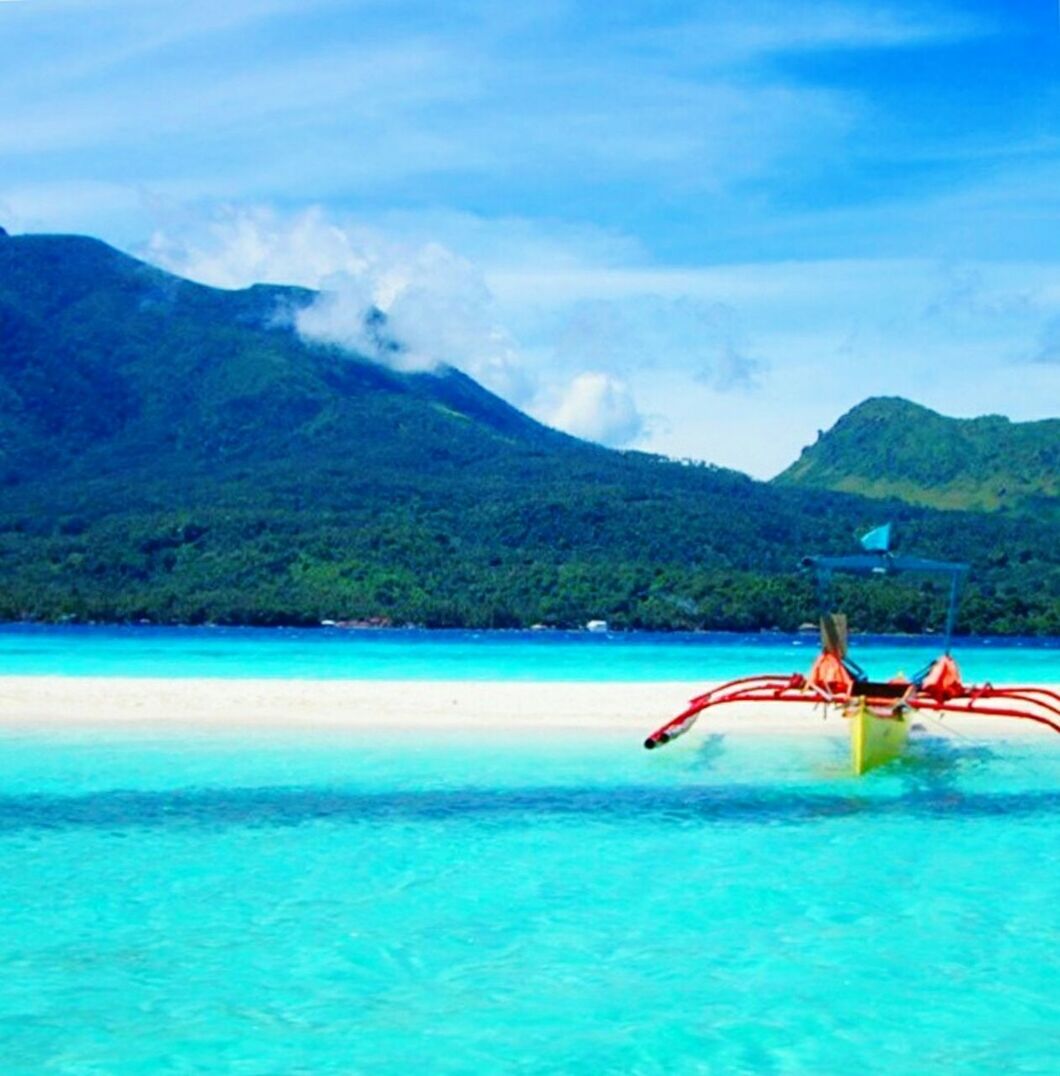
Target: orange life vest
(830, 673)
(943, 682)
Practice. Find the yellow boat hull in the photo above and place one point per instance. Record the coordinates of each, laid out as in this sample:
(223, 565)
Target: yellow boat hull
(875, 739)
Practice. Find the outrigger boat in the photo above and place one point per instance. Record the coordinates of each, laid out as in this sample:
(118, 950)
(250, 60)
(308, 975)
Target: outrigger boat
(878, 711)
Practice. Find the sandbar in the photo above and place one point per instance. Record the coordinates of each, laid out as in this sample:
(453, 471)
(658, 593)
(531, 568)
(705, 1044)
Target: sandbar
(531, 708)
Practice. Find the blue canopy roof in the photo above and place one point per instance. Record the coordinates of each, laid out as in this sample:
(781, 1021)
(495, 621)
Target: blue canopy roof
(883, 564)
(879, 561)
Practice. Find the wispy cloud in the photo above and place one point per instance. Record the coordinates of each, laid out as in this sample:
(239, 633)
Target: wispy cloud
(1048, 350)
(372, 105)
(646, 332)
(555, 106)
(766, 28)
(310, 90)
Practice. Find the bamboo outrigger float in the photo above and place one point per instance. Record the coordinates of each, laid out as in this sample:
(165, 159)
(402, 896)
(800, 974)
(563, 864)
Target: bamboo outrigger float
(878, 711)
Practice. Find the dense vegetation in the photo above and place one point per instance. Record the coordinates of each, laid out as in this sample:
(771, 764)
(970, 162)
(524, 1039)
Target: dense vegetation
(176, 453)
(889, 447)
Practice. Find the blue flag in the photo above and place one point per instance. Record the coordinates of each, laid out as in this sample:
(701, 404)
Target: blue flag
(878, 540)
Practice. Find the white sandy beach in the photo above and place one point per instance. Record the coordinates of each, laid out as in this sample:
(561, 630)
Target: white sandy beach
(525, 708)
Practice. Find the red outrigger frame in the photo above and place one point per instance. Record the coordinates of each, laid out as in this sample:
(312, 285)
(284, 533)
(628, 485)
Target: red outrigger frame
(1043, 705)
(837, 682)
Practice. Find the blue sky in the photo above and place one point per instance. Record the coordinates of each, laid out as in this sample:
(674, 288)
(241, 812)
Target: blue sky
(704, 229)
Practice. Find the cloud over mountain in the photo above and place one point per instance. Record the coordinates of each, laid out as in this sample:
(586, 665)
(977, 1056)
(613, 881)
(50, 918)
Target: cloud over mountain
(600, 408)
(438, 306)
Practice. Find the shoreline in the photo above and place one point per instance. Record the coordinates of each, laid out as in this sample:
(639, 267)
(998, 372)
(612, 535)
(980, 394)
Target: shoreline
(580, 630)
(473, 707)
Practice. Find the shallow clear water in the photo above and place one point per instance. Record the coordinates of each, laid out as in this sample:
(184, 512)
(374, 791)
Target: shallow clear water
(334, 905)
(458, 655)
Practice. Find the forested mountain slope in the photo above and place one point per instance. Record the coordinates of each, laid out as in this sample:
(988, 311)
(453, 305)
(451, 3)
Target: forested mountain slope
(179, 453)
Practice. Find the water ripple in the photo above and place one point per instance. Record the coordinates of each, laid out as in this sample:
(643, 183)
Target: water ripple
(286, 806)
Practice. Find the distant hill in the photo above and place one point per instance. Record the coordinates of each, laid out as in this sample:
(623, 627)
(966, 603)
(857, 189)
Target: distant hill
(889, 447)
(178, 453)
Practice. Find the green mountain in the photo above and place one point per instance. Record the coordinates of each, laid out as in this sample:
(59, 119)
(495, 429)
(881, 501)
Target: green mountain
(178, 453)
(889, 447)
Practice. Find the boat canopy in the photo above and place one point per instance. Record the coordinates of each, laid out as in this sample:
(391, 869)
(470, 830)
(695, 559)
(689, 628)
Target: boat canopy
(884, 564)
(878, 560)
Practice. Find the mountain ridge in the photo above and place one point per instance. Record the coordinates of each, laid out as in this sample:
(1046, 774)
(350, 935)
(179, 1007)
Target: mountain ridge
(890, 447)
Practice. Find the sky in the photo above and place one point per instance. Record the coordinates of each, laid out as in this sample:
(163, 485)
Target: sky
(700, 229)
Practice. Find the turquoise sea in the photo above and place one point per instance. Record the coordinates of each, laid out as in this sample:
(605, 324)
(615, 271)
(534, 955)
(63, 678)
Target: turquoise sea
(31, 650)
(328, 903)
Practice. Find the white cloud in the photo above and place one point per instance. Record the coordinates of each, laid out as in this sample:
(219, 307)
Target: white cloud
(235, 246)
(600, 408)
(341, 315)
(438, 306)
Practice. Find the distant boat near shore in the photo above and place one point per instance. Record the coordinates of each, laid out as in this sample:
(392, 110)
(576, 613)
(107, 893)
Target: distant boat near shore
(367, 622)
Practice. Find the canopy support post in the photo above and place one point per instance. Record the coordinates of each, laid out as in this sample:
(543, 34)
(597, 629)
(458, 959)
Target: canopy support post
(951, 613)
